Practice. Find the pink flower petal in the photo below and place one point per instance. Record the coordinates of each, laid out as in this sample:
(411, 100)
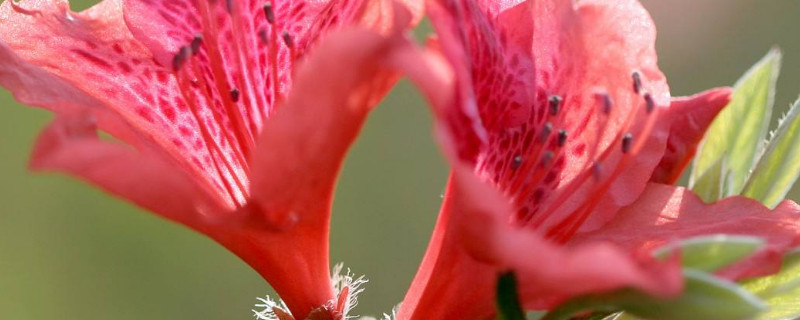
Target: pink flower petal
(473, 242)
(542, 110)
(70, 144)
(665, 214)
(93, 53)
(299, 156)
(692, 115)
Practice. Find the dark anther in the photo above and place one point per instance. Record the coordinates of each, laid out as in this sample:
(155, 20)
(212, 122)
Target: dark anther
(269, 13)
(555, 104)
(597, 170)
(262, 35)
(196, 42)
(649, 102)
(562, 137)
(608, 103)
(229, 5)
(637, 82)
(546, 130)
(180, 58)
(287, 39)
(547, 157)
(235, 95)
(516, 162)
(627, 142)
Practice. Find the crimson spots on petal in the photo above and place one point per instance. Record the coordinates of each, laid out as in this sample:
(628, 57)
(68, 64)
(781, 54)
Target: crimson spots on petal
(579, 150)
(146, 114)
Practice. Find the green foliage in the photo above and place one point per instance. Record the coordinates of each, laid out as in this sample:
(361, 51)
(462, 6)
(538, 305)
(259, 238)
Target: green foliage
(779, 167)
(732, 160)
(780, 291)
(711, 253)
(711, 184)
(736, 136)
(508, 306)
(704, 297)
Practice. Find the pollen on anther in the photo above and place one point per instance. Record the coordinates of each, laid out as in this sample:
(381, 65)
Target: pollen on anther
(627, 142)
(287, 39)
(650, 104)
(597, 170)
(516, 162)
(555, 104)
(547, 158)
(269, 13)
(180, 58)
(562, 137)
(197, 41)
(235, 95)
(545, 133)
(637, 82)
(607, 103)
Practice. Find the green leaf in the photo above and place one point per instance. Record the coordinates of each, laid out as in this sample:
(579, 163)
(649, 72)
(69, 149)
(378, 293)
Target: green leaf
(738, 132)
(704, 297)
(508, 305)
(711, 253)
(779, 167)
(780, 291)
(710, 185)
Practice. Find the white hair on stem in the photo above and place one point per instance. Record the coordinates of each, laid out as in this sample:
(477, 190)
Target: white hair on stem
(342, 282)
(267, 306)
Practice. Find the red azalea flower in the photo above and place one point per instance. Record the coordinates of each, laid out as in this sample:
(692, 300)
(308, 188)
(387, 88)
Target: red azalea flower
(559, 126)
(224, 119)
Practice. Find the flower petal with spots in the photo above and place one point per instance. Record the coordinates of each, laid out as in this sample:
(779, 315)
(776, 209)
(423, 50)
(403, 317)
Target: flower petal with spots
(223, 115)
(558, 112)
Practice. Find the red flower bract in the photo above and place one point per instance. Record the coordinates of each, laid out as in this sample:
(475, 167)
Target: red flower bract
(555, 117)
(224, 118)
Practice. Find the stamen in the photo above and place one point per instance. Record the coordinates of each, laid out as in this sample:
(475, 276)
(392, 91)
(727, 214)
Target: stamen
(593, 169)
(262, 35)
(637, 82)
(287, 39)
(546, 130)
(562, 137)
(650, 104)
(229, 5)
(235, 95)
(237, 152)
(627, 142)
(597, 170)
(608, 103)
(19, 9)
(180, 58)
(547, 158)
(196, 43)
(555, 104)
(269, 13)
(211, 144)
(516, 162)
(210, 30)
(565, 229)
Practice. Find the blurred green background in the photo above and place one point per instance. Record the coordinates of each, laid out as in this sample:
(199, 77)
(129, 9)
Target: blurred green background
(68, 251)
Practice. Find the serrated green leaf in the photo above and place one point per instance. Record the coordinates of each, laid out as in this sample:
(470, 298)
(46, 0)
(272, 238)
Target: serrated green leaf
(779, 167)
(711, 253)
(705, 297)
(738, 132)
(508, 306)
(780, 291)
